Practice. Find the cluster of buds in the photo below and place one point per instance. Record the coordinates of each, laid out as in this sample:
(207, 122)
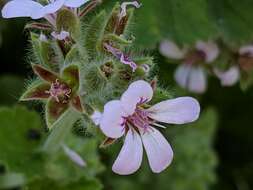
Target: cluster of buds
(90, 79)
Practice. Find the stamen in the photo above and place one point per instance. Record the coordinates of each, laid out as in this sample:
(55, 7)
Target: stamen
(139, 119)
(59, 91)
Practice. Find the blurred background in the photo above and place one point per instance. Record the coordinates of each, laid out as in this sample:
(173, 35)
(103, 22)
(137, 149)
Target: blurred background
(214, 153)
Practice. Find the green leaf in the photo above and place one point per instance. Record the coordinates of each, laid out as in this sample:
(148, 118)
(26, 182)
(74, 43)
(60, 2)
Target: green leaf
(182, 21)
(234, 19)
(20, 135)
(83, 184)
(11, 87)
(61, 168)
(11, 180)
(61, 128)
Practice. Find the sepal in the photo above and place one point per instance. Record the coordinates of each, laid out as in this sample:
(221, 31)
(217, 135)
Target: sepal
(45, 74)
(71, 75)
(67, 20)
(95, 33)
(36, 91)
(119, 40)
(116, 24)
(54, 110)
(107, 142)
(46, 52)
(246, 65)
(76, 103)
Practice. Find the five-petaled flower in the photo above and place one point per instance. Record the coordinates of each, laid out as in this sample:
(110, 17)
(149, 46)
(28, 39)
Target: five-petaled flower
(191, 75)
(133, 117)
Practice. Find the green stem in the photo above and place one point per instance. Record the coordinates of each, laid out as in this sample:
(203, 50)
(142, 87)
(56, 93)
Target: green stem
(60, 130)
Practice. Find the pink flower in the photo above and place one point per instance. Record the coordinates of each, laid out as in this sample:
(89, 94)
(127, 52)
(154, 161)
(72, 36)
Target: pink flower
(130, 116)
(228, 77)
(191, 74)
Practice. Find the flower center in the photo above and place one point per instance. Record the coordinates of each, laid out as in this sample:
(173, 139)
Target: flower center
(139, 119)
(195, 57)
(59, 91)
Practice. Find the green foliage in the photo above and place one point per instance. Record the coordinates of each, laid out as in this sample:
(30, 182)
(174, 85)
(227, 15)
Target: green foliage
(234, 19)
(18, 125)
(62, 128)
(167, 19)
(11, 180)
(83, 184)
(11, 87)
(35, 169)
(188, 21)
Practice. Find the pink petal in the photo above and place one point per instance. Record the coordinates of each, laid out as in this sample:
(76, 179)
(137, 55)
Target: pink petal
(74, 156)
(248, 49)
(18, 8)
(229, 77)
(96, 117)
(159, 151)
(130, 157)
(112, 120)
(138, 92)
(53, 7)
(176, 111)
(171, 50)
(210, 49)
(60, 36)
(75, 3)
(197, 80)
(182, 74)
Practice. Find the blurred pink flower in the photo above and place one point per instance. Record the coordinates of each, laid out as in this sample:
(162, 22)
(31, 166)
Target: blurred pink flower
(190, 74)
(228, 77)
(129, 116)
